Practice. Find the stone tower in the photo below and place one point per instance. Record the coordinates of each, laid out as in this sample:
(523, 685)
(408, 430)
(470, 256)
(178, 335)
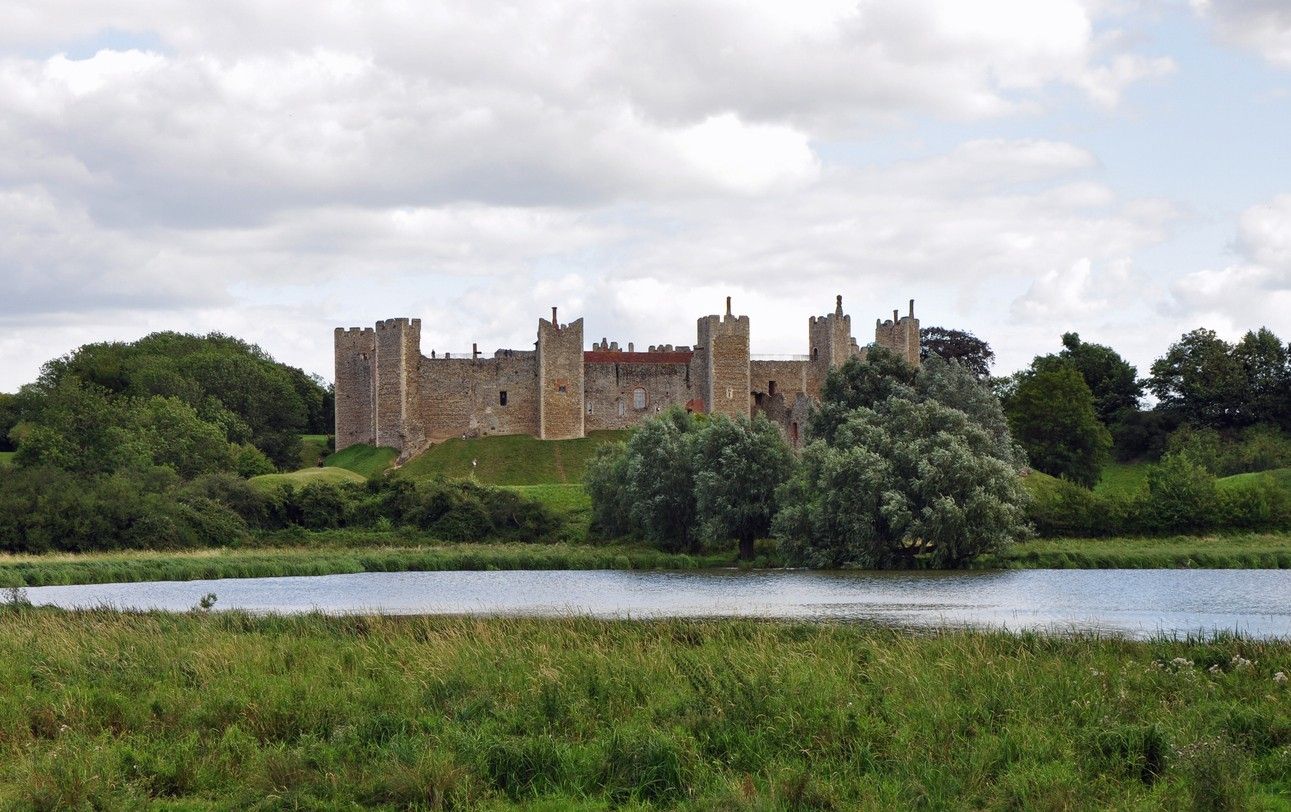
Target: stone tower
(398, 398)
(901, 335)
(356, 359)
(724, 344)
(830, 344)
(560, 379)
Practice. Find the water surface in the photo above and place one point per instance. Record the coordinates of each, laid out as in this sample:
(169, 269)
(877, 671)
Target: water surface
(1133, 602)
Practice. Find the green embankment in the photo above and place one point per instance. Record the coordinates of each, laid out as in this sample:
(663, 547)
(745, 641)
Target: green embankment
(511, 459)
(107, 710)
(364, 460)
(332, 553)
(305, 476)
(1235, 551)
(6, 458)
(1278, 477)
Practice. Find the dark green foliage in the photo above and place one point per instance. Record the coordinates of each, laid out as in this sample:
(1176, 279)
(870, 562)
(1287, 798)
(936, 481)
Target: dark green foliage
(230, 384)
(1110, 378)
(1254, 448)
(858, 384)
(1200, 379)
(738, 466)
(681, 480)
(901, 485)
(43, 508)
(957, 345)
(8, 420)
(1266, 365)
(1051, 413)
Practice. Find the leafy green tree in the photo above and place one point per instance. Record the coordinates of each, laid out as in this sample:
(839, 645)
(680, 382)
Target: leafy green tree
(1051, 413)
(900, 484)
(1266, 364)
(738, 466)
(661, 479)
(8, 420)
(1200, 380)
(957, 345)
(859, 384)
(1111, 379)
(1182, 496)
(606, 479)
(954, 384)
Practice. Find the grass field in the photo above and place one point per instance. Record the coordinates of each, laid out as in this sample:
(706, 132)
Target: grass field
(313, 449)
(1279, 477)
(1123, 478)
(364, 460)
(511, 459)
(305, 476)
(102, 710)
(6, 457)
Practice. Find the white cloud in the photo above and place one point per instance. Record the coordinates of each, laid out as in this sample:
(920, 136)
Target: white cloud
(1262, 26)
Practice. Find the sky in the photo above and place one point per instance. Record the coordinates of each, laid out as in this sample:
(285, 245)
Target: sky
(272, 170)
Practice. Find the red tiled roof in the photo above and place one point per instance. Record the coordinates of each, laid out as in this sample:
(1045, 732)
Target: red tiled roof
(618, 357)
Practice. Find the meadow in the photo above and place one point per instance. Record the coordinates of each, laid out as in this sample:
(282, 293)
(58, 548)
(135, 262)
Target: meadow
(216, 710)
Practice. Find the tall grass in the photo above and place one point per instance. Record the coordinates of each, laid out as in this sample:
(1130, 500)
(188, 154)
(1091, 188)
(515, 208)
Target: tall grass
(1224, 551)
(224, 710)
(365, 460)
(365, 554)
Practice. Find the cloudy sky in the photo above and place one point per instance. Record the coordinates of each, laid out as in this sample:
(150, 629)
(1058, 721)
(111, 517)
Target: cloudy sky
(272, 170)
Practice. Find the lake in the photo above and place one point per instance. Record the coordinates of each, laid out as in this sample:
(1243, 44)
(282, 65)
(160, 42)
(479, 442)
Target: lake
(1136, 603)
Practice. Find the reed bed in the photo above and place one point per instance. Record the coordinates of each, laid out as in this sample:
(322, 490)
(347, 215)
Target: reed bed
(213, 710)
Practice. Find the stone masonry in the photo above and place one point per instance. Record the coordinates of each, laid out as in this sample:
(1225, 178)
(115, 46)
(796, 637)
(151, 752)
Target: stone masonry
(389, 394)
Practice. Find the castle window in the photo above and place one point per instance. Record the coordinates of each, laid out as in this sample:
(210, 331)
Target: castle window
(502, 397)
(770, 387)
(621, 407)
(562, 388)
(730, 393)
(638, 398)
(589, 407)
(813, 353)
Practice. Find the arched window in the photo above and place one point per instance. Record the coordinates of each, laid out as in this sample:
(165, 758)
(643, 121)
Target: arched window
(638, 398)
(621, 407)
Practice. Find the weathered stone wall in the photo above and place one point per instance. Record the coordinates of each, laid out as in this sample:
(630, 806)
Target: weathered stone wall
(611, 383)
(356, 351)
(790, 377)
(900, 334)
(560, 379)
(398, 414)
(463, 396)
(724, 343)
(830, 345)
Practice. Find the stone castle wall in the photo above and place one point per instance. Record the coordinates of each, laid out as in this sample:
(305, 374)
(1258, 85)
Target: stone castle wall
(388, 393)
(560, 379)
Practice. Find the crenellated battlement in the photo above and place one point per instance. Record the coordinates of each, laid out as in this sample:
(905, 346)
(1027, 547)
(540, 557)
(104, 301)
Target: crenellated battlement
(388, 393)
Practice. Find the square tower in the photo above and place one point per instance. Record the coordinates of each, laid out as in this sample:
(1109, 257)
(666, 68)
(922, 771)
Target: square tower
(356, 365)
(560, 379)
(723, 342)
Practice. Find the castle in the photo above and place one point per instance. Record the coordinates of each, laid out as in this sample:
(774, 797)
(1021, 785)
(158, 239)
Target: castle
(389, 394)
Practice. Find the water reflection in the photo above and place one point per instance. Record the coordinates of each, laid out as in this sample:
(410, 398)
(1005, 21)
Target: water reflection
(1133, 602)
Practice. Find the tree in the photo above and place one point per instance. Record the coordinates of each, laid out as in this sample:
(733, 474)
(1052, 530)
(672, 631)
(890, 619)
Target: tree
(1200, 380)
(8, 420)
(954, 384)
(957, 345)
(606, 479)
(1112, 380)
(901, 483)
(1266, 364)
(1051, 413)
(858, 384)
(738, 466)
(661, 479)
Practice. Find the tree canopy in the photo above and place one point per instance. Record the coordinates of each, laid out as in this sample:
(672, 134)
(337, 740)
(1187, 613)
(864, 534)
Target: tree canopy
(1051, 413)
(1111, 379)
(957, 345)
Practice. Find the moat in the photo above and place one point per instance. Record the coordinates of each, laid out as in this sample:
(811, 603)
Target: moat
(1137, 603)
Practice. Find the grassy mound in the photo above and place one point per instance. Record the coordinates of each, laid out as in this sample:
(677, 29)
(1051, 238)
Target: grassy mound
(364, 460)
(305, 476)
(1278, 477)
(516, 459)
(1123, 478)
(232, 711)
(6, 458)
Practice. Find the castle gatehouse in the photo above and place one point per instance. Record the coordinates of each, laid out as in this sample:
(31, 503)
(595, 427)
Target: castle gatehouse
(389, 394)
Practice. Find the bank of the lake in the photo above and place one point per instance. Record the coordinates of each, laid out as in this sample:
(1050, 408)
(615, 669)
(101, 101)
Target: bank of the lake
(223, 710)
(333, 553)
